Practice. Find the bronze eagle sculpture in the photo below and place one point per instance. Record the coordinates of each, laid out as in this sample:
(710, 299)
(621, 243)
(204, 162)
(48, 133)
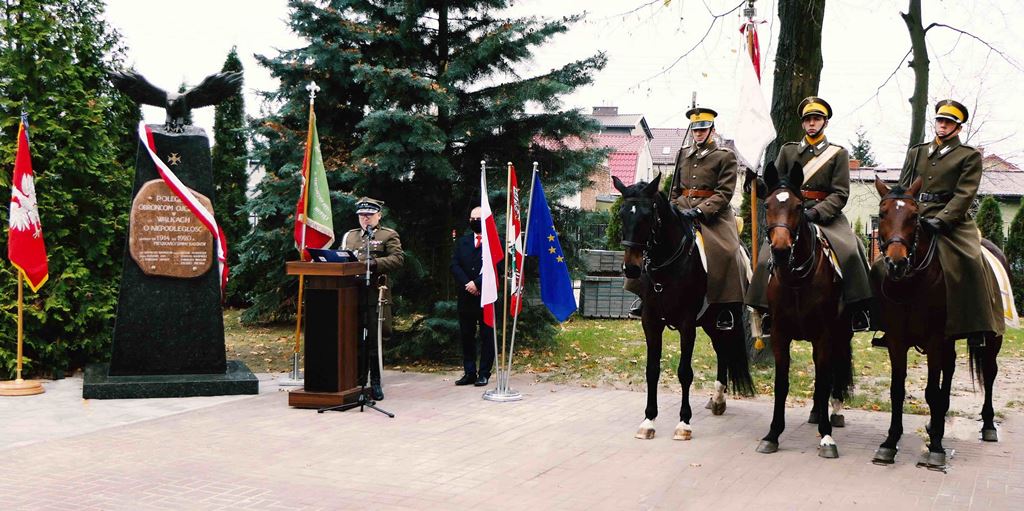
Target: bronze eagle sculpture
(212, 90)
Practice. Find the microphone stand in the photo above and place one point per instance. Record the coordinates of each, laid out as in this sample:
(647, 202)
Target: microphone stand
(365, 400)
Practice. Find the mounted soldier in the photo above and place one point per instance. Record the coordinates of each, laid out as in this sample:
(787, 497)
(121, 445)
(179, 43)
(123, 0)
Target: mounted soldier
(951, 173)
(702, 186)
(825, 189)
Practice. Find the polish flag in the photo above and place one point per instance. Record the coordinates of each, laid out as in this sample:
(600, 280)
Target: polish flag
(492, 254)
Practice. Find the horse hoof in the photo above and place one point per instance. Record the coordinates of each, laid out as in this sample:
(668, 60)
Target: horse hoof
(767, 447)
(718, 408)
(828, 451)
(682, 433)
(885, 456)
(812, 418)
(934, 460)
(838, 421)
(645, 434)
(990, 435)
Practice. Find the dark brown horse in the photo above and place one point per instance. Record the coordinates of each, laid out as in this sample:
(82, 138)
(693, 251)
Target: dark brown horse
(661, 249)
(912, 294)
(805, 300)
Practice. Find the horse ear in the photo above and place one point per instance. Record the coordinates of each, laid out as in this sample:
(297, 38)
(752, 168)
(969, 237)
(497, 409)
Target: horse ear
(883, 190)
(916, 186)
(771, 175)
(652, 187)
(617, 183)
(796, 175)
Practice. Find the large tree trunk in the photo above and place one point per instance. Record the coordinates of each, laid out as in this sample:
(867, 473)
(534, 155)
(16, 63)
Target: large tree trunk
(919, 63)
(797, 66)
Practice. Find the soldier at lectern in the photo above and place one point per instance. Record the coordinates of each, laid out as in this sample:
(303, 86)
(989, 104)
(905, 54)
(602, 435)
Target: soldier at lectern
(384, 250)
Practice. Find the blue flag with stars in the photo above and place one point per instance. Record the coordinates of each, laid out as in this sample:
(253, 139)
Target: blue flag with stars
(542, 241)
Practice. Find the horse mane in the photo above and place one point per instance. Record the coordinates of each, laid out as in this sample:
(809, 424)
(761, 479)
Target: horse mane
(897, 192)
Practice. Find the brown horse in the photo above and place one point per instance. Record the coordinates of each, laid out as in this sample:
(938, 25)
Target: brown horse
(805, 300)
(912, 293)
(661, 248)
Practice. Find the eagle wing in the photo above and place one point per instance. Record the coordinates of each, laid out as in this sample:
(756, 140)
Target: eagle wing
(138, 88)
(214, 89)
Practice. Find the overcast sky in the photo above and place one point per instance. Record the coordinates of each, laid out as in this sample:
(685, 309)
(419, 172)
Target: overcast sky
(863, 43)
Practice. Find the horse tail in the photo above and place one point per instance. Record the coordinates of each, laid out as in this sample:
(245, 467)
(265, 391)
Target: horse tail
(842, 366)
(739, 364)
(976, 361)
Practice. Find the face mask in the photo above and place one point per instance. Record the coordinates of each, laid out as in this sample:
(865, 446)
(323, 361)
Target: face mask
(475, 225)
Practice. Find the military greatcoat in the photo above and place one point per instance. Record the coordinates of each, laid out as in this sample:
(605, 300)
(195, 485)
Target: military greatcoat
(827, 192)
(951, 174)
(386, 250)
(705, 178)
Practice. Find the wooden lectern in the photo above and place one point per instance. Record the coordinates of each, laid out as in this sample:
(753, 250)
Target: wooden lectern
(333, 292)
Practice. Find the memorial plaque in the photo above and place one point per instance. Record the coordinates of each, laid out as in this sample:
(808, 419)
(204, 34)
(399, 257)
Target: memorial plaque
(165, 238)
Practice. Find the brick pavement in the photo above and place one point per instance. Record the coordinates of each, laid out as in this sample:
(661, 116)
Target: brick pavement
(560, 448)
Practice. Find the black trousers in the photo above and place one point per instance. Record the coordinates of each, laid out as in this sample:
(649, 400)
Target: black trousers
(470, 316)
(368, 357)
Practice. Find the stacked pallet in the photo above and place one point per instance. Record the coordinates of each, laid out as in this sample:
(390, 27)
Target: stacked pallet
(601, 293)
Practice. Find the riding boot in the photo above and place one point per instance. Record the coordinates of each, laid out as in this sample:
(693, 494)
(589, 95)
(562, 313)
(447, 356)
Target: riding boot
(725, 320)
(637, 309)
(880, 342)
(976, 340)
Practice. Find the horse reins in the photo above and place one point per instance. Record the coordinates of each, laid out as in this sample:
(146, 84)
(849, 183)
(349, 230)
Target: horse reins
(911, 249)
(799, 271)
(649, 267)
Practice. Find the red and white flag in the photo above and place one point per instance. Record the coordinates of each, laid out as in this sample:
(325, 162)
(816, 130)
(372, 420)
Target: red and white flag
(25, 247)
(514, 239)
(753, 129)
(492, 254)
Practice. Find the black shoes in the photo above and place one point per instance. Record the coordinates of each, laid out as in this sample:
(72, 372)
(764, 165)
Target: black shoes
(725, 321)
(481, 381)
(880, 342)
(637, 309)
(376, 391)
(861, 321)
(466, 380)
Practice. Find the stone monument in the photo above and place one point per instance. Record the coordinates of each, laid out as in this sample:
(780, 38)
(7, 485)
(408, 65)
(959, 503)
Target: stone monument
(169, 331)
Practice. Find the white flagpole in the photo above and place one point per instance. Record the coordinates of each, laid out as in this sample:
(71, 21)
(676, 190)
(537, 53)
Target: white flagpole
(519, 287)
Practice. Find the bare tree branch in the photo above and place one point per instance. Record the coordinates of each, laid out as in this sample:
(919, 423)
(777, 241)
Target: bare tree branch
(631, 11)
(980, 40)
(714, 20)
(886, 82)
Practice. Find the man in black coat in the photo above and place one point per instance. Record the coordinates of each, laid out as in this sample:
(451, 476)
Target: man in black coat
(467, 259)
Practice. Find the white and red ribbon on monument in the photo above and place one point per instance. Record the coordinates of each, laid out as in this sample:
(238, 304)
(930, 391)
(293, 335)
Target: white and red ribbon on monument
(191, 201)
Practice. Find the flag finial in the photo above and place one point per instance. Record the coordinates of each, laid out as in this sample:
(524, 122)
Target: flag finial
(313, 88)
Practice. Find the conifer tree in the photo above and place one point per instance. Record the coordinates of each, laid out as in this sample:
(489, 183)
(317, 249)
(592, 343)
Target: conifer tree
(230, 172)
(54, 54)
(861, 150)
(1015, 256)
(990, 221)
(412, 98)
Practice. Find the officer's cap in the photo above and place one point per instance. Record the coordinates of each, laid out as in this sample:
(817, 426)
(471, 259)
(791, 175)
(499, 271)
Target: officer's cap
(813, 105)
(369, 206)
(701, 118)
(952, 110)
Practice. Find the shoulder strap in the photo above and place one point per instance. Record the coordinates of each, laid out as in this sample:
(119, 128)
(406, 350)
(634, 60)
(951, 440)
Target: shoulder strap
(816, 163)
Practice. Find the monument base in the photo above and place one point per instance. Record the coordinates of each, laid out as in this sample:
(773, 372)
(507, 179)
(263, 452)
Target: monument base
(238, 379)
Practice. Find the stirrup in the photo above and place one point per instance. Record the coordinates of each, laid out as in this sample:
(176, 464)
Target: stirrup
(725, 320)
(766, 324)
(636, 309)
(861, 321)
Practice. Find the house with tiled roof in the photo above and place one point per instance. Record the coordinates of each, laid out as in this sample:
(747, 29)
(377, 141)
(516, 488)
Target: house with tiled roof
(629, 159)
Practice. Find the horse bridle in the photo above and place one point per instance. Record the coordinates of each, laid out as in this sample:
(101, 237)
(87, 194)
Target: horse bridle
(803, 269)
(911, 246)
(652, 240)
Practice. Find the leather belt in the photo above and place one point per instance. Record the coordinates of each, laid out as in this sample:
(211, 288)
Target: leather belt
(934, 197)
(690, 192)
(814, 194)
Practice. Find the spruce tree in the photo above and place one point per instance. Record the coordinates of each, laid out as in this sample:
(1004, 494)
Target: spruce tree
(1015, 256)
(861, 150)
(413, 97)
(230, 172)
(83, 141)
(990, 221)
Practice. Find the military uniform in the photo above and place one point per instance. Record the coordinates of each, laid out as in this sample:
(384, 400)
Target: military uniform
(704, 179)
(385, 251)
(826, 192)
(951, 173)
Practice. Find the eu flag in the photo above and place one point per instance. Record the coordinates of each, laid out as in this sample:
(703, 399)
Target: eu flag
(542, 241)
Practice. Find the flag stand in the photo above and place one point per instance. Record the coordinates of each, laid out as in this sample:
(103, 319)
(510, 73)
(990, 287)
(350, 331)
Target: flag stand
(502, 393)
(20, 387)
